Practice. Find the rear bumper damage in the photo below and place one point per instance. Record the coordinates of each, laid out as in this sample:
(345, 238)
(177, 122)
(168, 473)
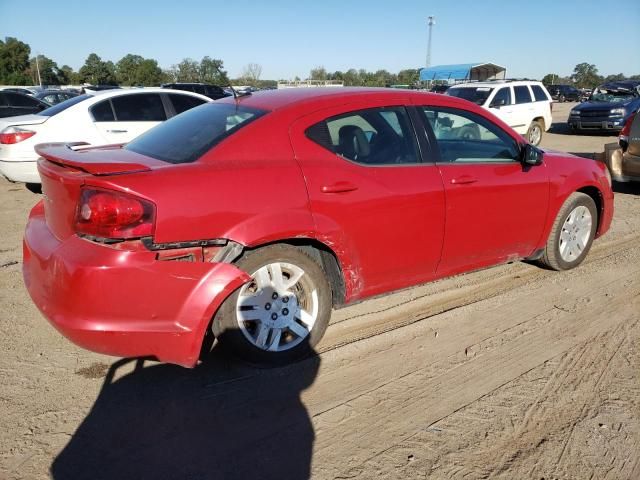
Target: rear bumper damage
(123, 303)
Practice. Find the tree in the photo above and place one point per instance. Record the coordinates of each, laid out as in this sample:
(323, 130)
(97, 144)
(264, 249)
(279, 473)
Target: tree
(251, 73)
(585, 75)
(318, 73)
(14, 61)
(96, 72)
(555, 79)
(50, 74)
(614, 78)
(410, 76)
(210, 71)
(136, 70)
(187, 71)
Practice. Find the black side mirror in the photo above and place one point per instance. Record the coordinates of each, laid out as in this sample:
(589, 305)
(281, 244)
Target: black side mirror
(531, 155)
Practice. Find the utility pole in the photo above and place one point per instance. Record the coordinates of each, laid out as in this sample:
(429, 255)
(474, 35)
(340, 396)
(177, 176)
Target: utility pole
(38, 70)
(431, 21)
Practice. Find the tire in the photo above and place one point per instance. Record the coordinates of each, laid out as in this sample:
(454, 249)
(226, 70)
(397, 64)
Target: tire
(273, 320)
(534, 133)
(563, 250)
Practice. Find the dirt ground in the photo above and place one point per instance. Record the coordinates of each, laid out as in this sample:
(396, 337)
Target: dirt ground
(512, 372)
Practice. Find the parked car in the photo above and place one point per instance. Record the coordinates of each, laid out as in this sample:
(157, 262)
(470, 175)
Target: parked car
(439, 88)
(564, 93)
(53, 97)
(251, 218)
(524, 105)
(627, 166)
(24, 90)
(212, 91)
(608, 108)
(110, 117)
(13, 104)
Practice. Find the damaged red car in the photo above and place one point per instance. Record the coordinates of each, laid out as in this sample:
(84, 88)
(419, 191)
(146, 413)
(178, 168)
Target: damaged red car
(250, 219)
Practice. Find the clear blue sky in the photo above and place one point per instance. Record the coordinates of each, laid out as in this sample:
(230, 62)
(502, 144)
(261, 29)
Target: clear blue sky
(289, 37)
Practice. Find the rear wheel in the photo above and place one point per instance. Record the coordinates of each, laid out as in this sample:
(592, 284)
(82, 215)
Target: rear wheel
(282, 313)
(572, 234)
(534, 134)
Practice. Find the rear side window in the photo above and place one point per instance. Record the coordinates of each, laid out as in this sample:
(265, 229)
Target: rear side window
(102, 112)
(17, 100)
(522, 94)
(182, 103)
(539, 93)
(141, 107)
(376, 136)
(185, 138)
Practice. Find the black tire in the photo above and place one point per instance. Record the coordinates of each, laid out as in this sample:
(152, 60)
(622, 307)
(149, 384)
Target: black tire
(226, 325)
(552, 257)
(534, 133)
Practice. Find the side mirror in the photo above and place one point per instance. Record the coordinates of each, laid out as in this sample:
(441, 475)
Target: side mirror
(498, 103)
(531, 155)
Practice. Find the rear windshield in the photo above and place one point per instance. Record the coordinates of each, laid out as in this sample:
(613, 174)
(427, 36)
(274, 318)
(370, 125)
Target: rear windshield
(186, 137)
(473, 94)
(51, 111)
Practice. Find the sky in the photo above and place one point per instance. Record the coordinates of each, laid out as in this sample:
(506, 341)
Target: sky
(290, 37)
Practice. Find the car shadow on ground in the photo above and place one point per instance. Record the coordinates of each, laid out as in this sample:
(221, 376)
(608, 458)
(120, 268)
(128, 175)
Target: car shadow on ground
(221, 420)
(631, 188)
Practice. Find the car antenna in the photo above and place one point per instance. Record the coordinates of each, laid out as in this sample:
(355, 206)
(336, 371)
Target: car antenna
(233, 90)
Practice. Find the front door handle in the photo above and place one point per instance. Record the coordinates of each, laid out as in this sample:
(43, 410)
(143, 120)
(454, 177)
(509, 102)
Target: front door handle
(339, 187)
(463, 180)
(117, 131)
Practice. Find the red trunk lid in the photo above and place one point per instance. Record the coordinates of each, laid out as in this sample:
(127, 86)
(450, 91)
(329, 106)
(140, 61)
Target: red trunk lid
(63, 171)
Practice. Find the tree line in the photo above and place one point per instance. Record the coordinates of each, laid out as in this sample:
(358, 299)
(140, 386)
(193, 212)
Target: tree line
(18, 67)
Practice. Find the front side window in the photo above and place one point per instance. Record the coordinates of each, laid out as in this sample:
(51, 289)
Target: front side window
(503, 97)
(185, 138)
(182, 103)
(139, 107)
(376, 136)
(522, 94)
(464, 137)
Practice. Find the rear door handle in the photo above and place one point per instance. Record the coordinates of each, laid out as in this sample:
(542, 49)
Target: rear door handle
(463, 180)
(339, 187)
(117, 131)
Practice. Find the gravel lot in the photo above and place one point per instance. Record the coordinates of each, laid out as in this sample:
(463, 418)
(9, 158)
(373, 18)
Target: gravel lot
(510, 372)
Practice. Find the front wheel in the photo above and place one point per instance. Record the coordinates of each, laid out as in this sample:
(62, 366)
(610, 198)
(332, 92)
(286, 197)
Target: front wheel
(282, 313)
(534, 134)
(572, 234)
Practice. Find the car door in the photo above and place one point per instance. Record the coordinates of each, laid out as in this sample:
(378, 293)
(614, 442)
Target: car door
(496, 206)
(122, 118)
(368, 187)
(501, 105)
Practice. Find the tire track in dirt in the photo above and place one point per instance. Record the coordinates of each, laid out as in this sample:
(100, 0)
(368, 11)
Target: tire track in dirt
(417, 400)
(385, 318)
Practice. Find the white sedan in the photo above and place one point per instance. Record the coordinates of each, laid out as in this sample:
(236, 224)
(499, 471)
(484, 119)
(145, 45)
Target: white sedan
(109, 117)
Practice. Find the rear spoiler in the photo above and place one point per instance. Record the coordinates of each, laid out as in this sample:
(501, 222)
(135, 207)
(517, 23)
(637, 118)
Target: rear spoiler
(94, 160)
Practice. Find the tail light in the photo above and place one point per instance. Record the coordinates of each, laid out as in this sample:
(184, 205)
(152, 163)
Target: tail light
(114, 215)
(623, 138)
(11, 135)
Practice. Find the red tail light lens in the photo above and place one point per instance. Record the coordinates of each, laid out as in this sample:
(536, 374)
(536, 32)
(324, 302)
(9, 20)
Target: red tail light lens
(114, 215)
(11, 135)
(627, 125)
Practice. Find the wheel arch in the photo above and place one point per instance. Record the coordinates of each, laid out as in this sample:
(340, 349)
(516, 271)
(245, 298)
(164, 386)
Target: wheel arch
(596, 196)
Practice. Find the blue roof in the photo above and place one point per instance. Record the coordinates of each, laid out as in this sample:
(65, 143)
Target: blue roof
(461, 71)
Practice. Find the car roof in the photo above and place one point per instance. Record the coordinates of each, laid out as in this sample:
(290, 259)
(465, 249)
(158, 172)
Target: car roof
(102, 94)
(495, 83)
(331, 96)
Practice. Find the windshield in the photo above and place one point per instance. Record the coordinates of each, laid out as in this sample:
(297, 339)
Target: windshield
(56, 109)
(611, 96)
(186, 137)
(473, 94)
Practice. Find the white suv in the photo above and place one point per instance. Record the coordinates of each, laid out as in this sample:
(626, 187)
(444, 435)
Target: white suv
(523, 105)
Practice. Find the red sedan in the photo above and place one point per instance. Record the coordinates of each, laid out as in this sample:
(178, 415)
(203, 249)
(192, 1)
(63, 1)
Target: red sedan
(250, 219)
